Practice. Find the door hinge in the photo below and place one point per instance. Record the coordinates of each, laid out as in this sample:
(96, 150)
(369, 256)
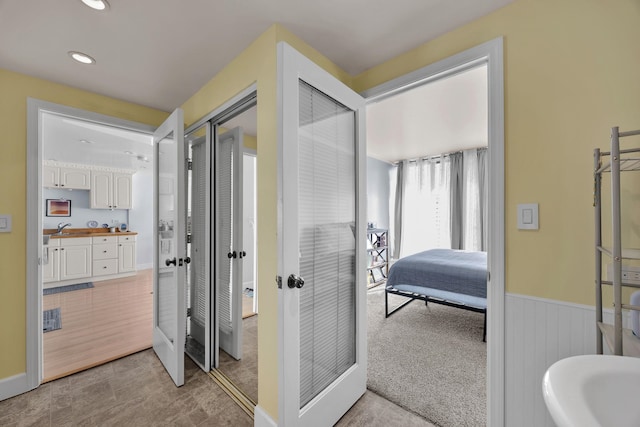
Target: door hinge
(189, 164)
(279, 281)
(189, 312)
(188, 238)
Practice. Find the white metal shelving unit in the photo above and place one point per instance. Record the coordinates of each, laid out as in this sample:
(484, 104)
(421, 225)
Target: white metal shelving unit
(621, 341)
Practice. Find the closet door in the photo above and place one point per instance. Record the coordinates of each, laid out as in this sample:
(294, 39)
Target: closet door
(230, 253)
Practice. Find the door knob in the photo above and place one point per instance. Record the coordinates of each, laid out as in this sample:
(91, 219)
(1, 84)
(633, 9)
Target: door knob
(242, 254)
(232, 254)
(168, 262)
(187, 260)
(295, 281)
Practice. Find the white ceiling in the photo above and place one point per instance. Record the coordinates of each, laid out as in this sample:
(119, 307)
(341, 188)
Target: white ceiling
(446, 115)
(160, 52)
(83, 142)
(64, 141)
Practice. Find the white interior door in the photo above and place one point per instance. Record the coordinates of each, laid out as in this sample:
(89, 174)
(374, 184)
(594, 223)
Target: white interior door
(230, 252)
(321, 235)
(169, 308)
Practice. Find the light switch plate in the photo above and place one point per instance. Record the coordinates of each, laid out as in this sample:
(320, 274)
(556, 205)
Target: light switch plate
(5, 223)
(528, 216)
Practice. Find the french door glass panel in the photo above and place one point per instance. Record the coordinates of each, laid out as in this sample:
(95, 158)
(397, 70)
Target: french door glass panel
(327, 240)
(170, 246)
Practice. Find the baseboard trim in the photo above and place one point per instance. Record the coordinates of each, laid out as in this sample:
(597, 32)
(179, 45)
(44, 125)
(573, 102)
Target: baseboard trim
(262, 419)
(13, 386)
(144, 266)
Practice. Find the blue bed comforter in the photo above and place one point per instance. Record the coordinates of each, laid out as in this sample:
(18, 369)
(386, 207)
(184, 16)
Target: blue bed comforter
(453, 271)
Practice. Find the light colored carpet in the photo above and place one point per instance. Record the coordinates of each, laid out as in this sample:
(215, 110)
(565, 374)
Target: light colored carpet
(429, 360)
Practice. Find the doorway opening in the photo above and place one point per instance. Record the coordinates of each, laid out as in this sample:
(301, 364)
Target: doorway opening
(429, 172)
(88, 232)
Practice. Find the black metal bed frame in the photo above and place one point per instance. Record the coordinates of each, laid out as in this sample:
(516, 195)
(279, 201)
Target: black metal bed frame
(426, 298)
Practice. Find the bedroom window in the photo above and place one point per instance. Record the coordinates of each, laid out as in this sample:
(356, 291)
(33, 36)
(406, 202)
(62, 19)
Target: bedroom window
(439, 202)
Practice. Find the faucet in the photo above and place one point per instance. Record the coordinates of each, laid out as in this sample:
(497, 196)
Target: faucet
(62, 226)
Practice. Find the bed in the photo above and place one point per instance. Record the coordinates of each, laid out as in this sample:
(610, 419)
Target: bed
(443, 276)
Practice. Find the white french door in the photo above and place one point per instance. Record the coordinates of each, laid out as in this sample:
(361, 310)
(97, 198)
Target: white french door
(230, 252)
(321, 235)
(169, 308)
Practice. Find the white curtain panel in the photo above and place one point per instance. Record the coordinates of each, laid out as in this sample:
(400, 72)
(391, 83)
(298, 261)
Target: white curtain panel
(424, 192)
(426, 216)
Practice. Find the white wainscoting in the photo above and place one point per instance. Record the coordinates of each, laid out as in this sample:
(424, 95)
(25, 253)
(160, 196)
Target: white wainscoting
(538, 333)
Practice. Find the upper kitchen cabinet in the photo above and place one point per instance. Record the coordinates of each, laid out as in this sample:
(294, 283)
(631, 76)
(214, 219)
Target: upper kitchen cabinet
(66, 176)
(111, 190)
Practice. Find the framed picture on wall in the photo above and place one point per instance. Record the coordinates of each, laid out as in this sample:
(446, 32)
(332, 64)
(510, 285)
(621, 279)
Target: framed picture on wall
(58, 207)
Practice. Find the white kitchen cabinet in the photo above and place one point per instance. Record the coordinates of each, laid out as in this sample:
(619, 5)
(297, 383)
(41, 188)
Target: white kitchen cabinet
(51, 262)
(75, 258)
(69, 177)
(105, 255)
(111, 190)
(126, 257)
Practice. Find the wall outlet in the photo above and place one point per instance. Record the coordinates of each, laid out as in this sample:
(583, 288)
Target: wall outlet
(630, 274)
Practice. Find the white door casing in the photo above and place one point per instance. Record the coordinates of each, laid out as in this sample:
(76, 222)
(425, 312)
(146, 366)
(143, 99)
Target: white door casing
(230, 252)
(169, 308)
(327, 405)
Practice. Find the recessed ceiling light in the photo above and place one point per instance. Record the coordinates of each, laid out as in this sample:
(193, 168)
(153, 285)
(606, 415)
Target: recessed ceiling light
(86, 141)
(97, 4)
(82, 58)
(129, 152)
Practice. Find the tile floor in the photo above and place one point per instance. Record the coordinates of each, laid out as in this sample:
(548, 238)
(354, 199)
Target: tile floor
(136, 391)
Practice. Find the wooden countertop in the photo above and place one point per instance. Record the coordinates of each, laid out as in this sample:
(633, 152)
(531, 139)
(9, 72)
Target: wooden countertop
(84, 232)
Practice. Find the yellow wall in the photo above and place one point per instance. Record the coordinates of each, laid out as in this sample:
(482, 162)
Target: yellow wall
(257, 64)
(14, 90)
(571, 72)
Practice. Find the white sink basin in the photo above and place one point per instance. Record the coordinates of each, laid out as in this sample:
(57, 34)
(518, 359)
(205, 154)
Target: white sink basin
(594, 390)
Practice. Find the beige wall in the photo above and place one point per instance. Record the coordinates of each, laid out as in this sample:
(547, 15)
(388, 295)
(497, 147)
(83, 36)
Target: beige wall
(571, 72)
(14, 91)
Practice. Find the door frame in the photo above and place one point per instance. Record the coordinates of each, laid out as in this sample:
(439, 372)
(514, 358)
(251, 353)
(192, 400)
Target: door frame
(490, 53)
(35, 109)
